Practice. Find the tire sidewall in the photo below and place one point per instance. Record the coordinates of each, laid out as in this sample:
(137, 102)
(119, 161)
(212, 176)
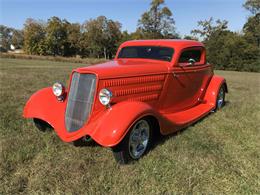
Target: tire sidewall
(224, 95)
(122, 149)
(149, 138)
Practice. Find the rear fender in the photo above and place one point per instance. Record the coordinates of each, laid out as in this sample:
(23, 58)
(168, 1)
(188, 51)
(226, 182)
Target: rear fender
(213, 89)
(117, 120)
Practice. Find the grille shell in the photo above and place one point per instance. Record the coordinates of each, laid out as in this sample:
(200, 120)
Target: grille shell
(80, 100)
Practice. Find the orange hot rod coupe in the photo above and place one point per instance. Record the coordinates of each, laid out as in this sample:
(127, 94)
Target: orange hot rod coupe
(152, 86)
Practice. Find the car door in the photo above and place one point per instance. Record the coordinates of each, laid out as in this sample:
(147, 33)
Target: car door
(188, 80)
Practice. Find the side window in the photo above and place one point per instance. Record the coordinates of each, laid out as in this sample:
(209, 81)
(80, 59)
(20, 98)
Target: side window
(194, 54)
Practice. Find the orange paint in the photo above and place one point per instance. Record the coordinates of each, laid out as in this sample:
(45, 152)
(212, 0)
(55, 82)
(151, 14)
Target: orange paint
(177, 94)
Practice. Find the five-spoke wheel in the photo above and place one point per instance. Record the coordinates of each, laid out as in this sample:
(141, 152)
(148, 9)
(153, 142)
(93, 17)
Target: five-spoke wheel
(136, 143)
(139, 138)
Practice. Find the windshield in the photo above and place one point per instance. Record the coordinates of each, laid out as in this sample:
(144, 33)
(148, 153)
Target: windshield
(147, 52)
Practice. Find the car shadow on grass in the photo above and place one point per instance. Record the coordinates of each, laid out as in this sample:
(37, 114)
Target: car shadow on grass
(158, 140)
(161, 139)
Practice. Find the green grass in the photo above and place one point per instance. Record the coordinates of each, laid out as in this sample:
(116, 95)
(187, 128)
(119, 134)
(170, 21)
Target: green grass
(218, 155)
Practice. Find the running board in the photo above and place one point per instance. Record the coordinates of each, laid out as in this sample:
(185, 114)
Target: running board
(187, 117)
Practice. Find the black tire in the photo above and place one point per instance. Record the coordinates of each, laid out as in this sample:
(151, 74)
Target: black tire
(41, 125)
(220, 102)
(84, 141)
(123, 152)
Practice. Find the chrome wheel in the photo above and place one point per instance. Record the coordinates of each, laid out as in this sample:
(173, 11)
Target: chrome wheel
(221, 98)
(136, 142)
(139, 138)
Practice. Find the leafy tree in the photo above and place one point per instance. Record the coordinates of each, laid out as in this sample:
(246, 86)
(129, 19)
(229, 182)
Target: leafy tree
(189, 37)
(34, 37)
(113, 37)
(93, 35)
(138, 34)
(5, 37)
(56, 38)
(72, 43)
(125, 36)
(252, 30)
(230, 51)
(17, 38)
(253, 6)
(84, 48)
(157, 22)
(102, 36)
(252, 26)
(10, 36)
(207, 28)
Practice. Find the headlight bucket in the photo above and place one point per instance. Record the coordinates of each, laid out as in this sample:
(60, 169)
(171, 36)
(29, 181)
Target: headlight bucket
(58, 90)
(105, 97)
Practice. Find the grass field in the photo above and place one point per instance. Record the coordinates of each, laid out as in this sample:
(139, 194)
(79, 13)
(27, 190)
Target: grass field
(218, 155)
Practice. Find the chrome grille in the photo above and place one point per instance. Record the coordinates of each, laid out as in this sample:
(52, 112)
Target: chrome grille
(80, 100)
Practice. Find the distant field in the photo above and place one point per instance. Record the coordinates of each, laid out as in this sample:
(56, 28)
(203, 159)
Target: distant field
(52, 58)
(218, 155)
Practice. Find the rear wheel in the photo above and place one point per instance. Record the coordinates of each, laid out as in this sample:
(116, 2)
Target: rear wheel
(136, 143)
(221, 98)
(41, 125)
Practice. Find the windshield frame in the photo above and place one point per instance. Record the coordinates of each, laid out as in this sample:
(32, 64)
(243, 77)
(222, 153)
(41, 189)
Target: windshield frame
(147, 46)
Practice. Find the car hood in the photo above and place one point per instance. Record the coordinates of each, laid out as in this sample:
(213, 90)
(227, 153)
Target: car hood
(126, 67)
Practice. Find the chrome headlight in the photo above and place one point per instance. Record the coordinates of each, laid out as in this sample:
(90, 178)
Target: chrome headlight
(58, 89)
(105, 96)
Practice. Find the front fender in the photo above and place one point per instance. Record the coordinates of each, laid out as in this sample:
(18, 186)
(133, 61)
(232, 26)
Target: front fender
(108, 128)
(114, 124)
(45, 106)
(213, 88)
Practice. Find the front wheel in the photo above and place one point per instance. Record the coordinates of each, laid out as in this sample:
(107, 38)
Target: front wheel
(136, 143)
(221, 98)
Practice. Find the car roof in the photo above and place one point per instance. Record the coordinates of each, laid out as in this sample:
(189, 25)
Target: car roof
(174, 43)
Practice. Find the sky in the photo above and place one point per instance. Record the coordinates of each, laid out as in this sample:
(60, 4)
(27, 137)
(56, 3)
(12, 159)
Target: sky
(186, 13)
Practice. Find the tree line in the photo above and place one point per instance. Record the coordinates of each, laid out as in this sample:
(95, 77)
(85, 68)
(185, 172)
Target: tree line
(100, 37)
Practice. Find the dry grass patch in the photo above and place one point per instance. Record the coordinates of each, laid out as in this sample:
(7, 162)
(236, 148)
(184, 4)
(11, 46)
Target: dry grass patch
(220, 154)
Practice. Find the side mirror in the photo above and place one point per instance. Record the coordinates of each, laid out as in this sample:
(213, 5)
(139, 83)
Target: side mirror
(191, 61)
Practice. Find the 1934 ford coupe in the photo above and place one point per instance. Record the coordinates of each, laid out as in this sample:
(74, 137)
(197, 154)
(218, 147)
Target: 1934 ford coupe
(151, 87)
